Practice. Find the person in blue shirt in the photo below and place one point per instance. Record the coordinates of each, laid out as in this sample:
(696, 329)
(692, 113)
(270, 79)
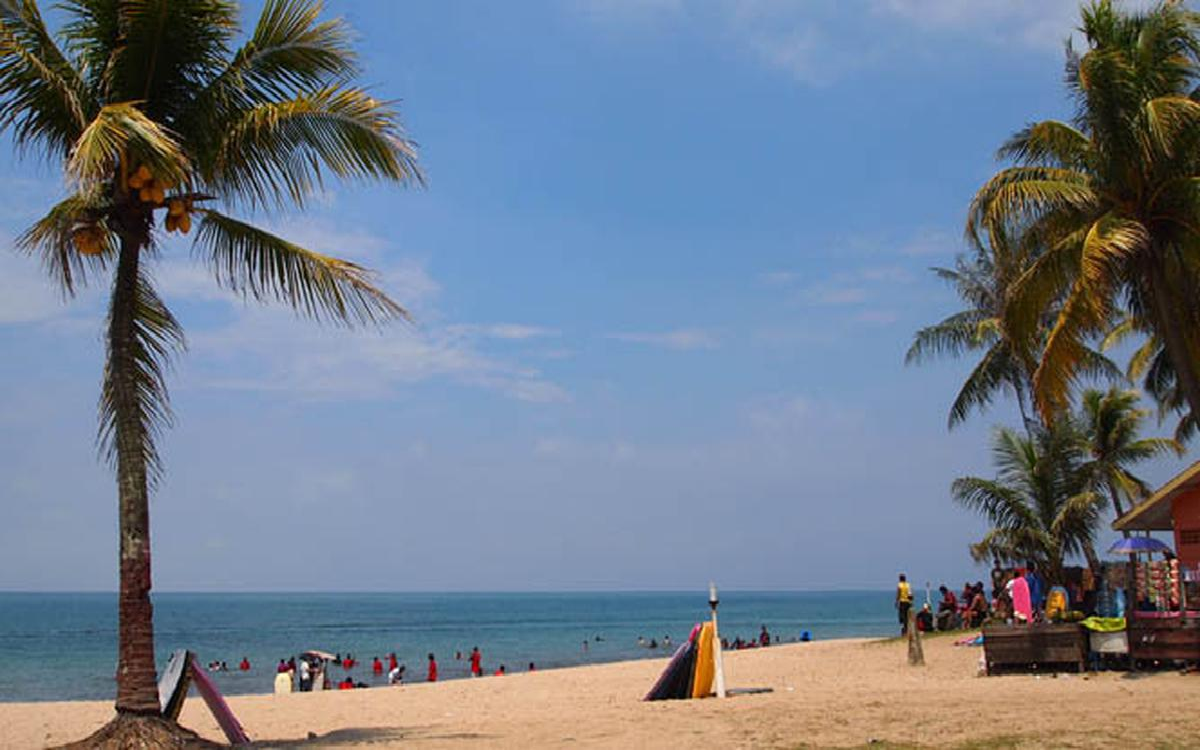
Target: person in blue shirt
(1037, 588)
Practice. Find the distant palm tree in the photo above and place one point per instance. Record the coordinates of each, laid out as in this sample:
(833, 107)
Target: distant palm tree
(1112, 199)
(1111, 422)
(1040, 506)
(981, 281)
(984, 280)
(156, 118)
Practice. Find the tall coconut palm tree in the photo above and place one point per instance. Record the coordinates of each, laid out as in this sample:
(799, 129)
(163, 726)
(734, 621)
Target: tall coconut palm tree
(1111, 422)
(160, 118)
(1040, 506)
(1113, 198)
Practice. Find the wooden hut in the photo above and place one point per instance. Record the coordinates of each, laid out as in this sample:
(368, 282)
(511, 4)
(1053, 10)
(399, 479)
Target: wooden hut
(1174, 634)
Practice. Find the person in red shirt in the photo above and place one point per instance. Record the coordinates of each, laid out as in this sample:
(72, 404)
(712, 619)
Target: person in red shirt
(532, 668)
(432, 676)
(476, 662)
(377, 666)
(392, 663)
(500, 671)
(346, 684)
(245, 665)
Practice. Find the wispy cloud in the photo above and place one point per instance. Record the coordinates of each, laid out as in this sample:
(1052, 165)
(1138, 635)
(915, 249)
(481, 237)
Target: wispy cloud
(819, 41)
(683, 339)
(502, 331)
(832, 295)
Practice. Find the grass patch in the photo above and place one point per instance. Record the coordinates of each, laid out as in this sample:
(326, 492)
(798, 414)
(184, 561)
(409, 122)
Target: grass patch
(1003, 742)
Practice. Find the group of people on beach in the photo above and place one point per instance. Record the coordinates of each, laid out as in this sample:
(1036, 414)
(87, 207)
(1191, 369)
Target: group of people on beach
(971, 607)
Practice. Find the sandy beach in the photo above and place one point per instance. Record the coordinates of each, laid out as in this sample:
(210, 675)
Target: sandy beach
(846, 693)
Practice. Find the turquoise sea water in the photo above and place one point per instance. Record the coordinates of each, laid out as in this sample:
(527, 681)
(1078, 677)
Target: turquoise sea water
(63, 646)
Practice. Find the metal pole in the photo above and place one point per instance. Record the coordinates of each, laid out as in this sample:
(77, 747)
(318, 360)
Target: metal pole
(719, 666)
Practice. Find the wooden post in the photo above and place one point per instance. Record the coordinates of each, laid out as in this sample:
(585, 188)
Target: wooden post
(916, 654)
(718, 661)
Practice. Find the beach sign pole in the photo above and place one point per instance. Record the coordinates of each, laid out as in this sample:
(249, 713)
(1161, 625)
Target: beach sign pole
(719, 667)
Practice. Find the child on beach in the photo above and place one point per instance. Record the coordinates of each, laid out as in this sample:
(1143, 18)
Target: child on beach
(432, 675)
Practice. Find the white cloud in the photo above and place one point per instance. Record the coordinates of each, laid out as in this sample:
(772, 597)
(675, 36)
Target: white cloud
(268, 348)
(877, 317)
(833, 295)
(779, 278)
(683, 339)
(502, 331)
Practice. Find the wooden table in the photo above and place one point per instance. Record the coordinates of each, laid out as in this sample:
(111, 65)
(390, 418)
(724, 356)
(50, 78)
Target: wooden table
(1164, 638)
(1032, 648)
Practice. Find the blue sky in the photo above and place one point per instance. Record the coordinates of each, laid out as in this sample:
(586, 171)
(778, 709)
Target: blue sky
(664, 274)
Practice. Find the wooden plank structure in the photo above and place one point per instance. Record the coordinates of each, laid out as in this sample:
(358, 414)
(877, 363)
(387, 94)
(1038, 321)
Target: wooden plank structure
(1033, 648)
(1166, 636)
(1164, 639)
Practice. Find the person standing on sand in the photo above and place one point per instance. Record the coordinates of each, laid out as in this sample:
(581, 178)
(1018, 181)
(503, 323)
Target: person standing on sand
(432, 676)
(903, 603)
(476, 663)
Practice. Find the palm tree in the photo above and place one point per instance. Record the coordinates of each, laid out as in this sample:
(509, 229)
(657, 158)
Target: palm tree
(1112, 198)
(1040, 506)
(158, 118)
(1111, 422)
(981, 280)
(984, 281)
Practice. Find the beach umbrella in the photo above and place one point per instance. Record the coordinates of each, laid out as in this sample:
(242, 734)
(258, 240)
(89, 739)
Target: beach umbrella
(1136, 544)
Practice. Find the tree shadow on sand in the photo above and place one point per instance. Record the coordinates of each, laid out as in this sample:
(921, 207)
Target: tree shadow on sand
(369, 736)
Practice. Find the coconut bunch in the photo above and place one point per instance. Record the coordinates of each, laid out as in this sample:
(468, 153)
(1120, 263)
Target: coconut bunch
(153, 191)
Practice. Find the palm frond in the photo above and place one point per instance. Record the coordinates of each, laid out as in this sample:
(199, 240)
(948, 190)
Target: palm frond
(995, 371)
(1110, 240)
(954, 336)
(1049, 144)
(168, 50)
(279, 151)
(42, 96)
(52, 238)
(256, 263)
(122, 131)
(157, 338)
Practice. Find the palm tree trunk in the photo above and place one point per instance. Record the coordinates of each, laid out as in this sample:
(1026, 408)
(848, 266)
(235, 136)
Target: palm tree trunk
(1116, 501)
(1093, 560)
(137, 688)
(1170, 327)
(1019, 389)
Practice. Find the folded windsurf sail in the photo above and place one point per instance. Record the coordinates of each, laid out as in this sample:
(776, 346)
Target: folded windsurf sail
(689, 674)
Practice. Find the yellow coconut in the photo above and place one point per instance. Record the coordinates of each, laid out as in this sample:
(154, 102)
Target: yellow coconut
(157, 194)
(143, 173)
(172, 222)
(174, 207)
(185, 223)
(146, 194)
(135, 182)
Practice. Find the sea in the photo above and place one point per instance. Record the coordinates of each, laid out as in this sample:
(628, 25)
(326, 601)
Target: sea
(58, 646)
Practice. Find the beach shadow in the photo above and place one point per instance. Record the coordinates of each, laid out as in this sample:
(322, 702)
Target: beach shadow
(368, 736)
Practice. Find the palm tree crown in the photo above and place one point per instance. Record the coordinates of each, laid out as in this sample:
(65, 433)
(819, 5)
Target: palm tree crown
(160, 117)
(1111, 199)
(1039, 506)
(1111, 423)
